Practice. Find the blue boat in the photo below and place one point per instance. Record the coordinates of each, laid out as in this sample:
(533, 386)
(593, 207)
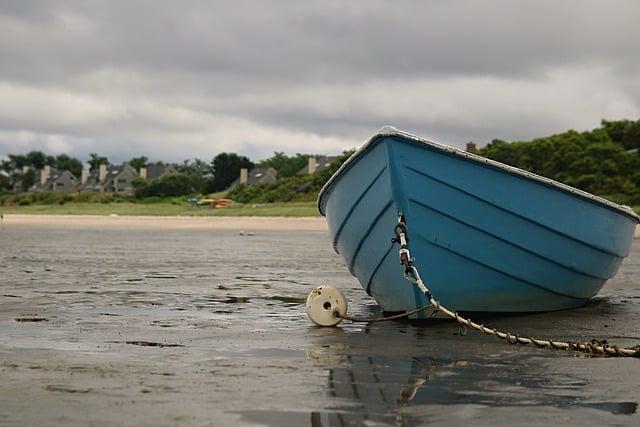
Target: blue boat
(484, 236)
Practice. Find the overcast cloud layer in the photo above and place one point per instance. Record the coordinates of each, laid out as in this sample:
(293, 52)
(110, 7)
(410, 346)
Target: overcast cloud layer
(175, 80)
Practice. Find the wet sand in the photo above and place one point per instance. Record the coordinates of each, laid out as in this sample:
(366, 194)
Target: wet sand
(112, 321)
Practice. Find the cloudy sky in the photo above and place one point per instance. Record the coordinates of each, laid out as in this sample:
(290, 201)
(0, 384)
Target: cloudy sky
(181, 79)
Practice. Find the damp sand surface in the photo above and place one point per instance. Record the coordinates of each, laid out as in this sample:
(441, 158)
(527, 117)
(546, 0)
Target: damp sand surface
(151, 324)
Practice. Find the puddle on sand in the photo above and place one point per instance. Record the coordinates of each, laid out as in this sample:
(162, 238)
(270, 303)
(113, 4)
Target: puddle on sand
(622, 408)
(31, 319)
(145, 343)
(290, 300)
(391, 391)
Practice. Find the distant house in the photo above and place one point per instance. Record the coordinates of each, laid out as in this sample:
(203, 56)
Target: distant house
(91, 180)
(317, 164)
(156, 171)
(261, 176)
(52, 179)
(110, 179)
(255, 176)
(119, 179)
(60, 181)
(42, 176)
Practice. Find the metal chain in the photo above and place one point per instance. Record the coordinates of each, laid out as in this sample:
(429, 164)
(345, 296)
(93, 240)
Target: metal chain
(411, 274)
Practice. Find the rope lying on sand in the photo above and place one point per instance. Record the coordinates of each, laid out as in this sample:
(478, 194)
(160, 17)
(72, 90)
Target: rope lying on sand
(594, 346)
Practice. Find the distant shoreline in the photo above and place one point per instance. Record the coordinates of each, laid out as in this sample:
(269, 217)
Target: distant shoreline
(165, 209)
(239, 223)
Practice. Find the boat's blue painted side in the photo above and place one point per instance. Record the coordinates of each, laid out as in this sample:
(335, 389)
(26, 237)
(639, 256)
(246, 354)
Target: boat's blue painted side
(484, 237)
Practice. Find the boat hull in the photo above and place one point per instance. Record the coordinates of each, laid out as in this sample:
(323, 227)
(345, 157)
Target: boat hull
(484, 236)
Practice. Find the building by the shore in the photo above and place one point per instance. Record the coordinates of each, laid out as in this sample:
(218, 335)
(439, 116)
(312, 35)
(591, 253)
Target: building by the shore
(119, 178)
(255, 176)
(52, 179)
(103, 179)
(317, 164)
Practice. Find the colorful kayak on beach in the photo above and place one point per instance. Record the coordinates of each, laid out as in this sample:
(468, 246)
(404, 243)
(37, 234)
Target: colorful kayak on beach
(485, 236)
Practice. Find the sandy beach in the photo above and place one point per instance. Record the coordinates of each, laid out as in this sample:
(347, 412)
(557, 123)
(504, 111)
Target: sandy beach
(186, 321)
(252, 223)
(178, 222)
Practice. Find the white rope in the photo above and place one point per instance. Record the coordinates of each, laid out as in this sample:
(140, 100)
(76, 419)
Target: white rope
(594, 346)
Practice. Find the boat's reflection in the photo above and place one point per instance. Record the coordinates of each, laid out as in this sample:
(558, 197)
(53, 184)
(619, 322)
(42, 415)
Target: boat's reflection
(370, 382)
(373, 379)
(380, 386)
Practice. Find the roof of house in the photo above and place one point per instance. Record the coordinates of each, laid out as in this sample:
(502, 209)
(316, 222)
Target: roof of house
(156, 171)
(61, 174)
(322, 162)
(113, 171)
(257, 176)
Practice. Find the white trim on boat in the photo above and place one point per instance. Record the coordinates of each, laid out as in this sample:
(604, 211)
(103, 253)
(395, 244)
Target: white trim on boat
(391, 131)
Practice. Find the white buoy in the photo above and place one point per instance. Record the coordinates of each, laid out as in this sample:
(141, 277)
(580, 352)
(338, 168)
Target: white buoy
(326, 306)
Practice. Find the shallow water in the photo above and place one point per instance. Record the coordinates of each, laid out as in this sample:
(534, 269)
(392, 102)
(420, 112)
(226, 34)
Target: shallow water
(206, 327)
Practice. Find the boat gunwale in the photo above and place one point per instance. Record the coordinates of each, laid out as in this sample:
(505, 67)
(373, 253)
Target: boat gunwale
(390, 131)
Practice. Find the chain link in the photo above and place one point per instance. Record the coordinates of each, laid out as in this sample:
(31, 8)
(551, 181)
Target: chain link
(412, 275)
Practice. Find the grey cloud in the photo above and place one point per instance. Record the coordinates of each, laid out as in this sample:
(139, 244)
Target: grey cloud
(171, 76)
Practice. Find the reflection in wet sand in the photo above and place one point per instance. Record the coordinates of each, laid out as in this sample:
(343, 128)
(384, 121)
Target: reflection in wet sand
(391, 387)
(156, 327)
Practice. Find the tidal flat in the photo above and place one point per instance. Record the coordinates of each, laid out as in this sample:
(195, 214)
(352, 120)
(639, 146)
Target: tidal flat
(154, 324)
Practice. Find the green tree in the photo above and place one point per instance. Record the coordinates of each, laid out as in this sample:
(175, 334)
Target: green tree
(172, 185)
(95, 161)
(225, 168)
(615, 128)
(5, 181)
(591, 161)
(37, 159)
(199, 171)
(71, 164)
(17, 161)
(138, 162)
(26, 179)
(285, 165)
(631, 137)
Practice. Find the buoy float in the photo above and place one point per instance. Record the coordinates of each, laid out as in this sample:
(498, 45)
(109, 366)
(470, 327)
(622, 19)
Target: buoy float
(326, 306)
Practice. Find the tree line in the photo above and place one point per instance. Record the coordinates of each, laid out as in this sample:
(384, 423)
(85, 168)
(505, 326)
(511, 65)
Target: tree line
(193, 175)
(602, 161)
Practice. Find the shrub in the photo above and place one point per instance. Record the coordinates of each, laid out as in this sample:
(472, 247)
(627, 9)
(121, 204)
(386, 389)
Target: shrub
(172, 185)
